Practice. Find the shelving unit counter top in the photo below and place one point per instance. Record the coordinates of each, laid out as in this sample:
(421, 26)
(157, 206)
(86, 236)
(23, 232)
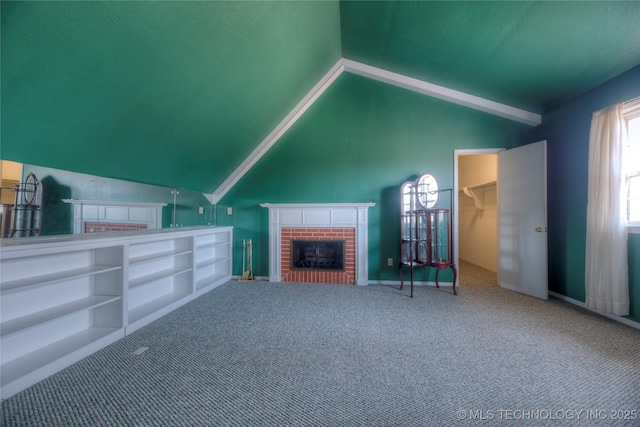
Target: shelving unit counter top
(24, 246)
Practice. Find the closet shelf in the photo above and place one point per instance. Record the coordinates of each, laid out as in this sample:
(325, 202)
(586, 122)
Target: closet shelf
(483, 187)
(476, 192)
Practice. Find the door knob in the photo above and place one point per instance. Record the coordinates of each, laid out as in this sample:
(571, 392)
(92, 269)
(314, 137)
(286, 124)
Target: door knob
(538, 229)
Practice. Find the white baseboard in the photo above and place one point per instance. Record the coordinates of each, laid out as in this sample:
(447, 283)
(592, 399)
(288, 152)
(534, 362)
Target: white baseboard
(406, 283)
(620, 319)
(375, 282)
(256, 278)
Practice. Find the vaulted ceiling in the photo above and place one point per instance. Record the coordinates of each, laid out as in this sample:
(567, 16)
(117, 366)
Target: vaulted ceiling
(180, 93)
(531, 55)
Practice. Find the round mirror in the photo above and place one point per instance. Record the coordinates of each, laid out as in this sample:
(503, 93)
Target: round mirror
(427, 189)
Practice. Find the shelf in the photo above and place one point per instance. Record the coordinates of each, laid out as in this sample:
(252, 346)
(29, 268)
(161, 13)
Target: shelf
(414, 264)
(158, 275)
(208, 281)
(159, 255)
(151, 307)
(482, 187)
(211, 261)
(47, 279)
(209, 240)
(476, 192)
(120, 282)
(211, 244)
(29, 321)
(42, 357)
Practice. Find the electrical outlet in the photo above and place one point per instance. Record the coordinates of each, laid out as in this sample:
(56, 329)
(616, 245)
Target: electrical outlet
(229, 210)
(390, 262)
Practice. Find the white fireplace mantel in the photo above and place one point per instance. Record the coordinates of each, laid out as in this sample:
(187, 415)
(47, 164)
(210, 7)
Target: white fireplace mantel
(148, 213)
(285, 215)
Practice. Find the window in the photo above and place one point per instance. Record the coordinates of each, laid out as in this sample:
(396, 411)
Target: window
(632, 118)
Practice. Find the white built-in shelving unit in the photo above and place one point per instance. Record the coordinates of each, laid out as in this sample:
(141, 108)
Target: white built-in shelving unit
(212, 260)
(63, 298)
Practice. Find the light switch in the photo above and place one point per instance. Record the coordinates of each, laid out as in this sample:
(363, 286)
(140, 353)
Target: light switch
(229, 211)
(200, 210)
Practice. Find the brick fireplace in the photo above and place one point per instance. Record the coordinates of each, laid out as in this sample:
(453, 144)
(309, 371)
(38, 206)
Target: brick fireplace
(345, 234)
(346, 222)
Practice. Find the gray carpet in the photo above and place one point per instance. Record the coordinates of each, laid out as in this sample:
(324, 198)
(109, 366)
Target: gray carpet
(267, 354)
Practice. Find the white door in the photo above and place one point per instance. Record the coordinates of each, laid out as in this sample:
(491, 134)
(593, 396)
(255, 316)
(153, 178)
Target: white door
(522, 219)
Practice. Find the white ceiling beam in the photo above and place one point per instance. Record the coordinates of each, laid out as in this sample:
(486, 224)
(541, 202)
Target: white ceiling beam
(297, 112)
(379, 74)
(442, 92)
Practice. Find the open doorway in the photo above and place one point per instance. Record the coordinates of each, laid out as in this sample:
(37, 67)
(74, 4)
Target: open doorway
(476, 216)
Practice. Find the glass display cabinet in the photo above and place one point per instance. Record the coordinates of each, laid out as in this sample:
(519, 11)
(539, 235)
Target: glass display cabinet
(425, 234)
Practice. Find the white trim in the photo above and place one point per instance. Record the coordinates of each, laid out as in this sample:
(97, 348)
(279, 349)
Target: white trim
(114, 203)
(316, 205)
(631, 107)
(255, 279)
(443, 93)
(619, 319)
(456, 156)
(631, 111)
(379, 74)
(325, 82)
(415, 283)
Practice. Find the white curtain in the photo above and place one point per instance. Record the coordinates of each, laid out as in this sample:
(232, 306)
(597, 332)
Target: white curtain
(607, 274)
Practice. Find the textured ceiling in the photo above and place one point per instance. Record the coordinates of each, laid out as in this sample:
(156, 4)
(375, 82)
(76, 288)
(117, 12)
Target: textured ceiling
(179, 93)
(169, 93)
(530, 55)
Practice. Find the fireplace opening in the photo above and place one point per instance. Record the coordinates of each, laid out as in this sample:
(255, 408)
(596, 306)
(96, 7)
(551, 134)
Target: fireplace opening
(324, 255)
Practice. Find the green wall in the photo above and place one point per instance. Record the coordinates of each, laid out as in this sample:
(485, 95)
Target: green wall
(566, 130)
(168, 93)
(358, 143)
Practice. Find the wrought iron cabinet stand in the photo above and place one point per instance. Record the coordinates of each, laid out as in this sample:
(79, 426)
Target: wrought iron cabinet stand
(425, 229)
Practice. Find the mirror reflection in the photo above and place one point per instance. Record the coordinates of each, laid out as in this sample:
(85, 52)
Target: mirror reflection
(41, 201)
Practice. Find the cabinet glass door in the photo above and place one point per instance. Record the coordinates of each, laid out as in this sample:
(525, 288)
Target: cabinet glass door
(422, 237)
(407, 223)
(407, 235)
(439, 236)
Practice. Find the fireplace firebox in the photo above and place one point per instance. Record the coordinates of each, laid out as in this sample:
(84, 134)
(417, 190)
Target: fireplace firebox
(323, 255)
